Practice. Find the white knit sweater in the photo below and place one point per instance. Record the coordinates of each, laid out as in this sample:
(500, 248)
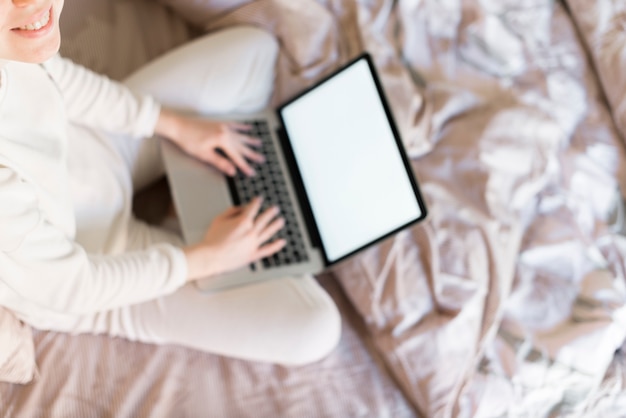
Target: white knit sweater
(41, 266)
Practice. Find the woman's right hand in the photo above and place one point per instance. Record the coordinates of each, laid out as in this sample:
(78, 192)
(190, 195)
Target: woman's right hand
(236, 238)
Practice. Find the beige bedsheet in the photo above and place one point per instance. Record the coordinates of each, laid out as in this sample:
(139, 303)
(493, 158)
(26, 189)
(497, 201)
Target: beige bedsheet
(91, 376)
(509, 299)
(602, 24)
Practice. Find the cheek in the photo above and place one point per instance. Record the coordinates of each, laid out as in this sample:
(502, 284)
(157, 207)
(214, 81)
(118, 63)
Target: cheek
(58, 6)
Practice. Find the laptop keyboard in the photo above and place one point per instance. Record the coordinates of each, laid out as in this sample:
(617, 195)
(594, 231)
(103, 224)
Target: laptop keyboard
(270, 184)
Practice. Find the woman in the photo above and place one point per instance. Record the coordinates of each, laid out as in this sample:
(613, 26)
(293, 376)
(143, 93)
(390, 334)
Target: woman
(72, 257)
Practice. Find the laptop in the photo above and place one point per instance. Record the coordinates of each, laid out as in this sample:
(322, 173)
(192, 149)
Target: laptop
(335, 165)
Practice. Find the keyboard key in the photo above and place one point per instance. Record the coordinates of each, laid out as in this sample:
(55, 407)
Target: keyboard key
(270, 184)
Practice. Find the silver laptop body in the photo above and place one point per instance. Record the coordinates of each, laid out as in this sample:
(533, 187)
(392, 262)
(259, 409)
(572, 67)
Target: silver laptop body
(201, 192)
(347, 191)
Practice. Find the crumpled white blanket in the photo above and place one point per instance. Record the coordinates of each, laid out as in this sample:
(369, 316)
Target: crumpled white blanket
(509, 300)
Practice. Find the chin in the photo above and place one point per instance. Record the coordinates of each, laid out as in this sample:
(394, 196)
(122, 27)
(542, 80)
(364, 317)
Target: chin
(40, 55)
(32, 47)
(43, 57)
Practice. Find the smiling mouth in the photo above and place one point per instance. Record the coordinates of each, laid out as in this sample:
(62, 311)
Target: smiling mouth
(37, 25)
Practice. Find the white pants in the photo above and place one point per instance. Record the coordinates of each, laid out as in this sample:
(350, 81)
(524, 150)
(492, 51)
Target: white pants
(288, 321)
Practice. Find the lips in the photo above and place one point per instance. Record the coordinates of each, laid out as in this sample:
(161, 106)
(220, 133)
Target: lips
(38, 22)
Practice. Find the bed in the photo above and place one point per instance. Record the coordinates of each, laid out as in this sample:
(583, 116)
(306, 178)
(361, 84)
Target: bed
(509, 301)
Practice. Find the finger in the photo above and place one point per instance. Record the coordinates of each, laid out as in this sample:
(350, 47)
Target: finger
(271, 230)
(251, 210)
(222, 163)
(240, 161)
(238, 126)
(250, 140)
(270, 248)
(265, 218)
(231, 212)
(252, 155)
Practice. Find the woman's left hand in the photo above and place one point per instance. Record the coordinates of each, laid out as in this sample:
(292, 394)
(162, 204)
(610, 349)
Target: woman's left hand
(204, 139)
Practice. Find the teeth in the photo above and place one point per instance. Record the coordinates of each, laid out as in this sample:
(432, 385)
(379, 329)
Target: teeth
(38, 25)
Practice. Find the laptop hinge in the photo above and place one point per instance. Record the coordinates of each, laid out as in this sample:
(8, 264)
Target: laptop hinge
(298, 185)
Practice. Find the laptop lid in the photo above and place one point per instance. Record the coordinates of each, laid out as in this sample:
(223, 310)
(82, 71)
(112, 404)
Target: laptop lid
(348, 163)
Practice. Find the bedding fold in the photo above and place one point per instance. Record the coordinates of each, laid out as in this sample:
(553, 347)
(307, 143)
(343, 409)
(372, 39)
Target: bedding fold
(509, 300)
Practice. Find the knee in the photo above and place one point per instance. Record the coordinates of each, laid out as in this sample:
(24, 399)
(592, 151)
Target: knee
(262, 42)
(317, 336)
(259, 45)
(262, 49)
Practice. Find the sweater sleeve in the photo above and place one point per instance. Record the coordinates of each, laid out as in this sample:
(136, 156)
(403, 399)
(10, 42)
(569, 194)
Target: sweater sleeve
(98, 102)
(38, 262)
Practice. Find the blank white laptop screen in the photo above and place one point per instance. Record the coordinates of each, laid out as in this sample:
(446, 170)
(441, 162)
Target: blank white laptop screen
(353, 173)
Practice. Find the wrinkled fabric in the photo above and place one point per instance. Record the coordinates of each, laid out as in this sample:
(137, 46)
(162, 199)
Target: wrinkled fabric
(509, 299)
(17, 357)
(601, 25)
(498, 303)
